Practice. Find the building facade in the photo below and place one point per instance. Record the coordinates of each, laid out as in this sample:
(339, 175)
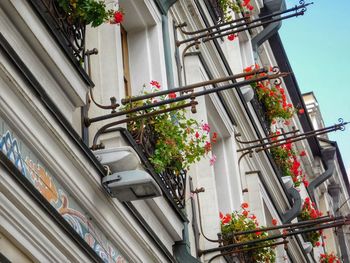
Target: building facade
(59, 77)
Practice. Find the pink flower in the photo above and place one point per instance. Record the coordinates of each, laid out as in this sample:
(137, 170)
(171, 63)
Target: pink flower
(155, 83)
(206, 127)
(212, 160)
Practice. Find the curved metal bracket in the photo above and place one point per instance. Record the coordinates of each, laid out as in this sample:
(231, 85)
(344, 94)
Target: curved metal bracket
(292, 213)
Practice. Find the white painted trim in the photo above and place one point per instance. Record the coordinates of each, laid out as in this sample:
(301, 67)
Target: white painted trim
(73, 170)
(40, 52)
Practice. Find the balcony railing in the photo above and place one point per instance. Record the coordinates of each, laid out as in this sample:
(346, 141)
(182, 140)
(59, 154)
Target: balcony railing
(69, 35)
(260, 112)
(173, 185)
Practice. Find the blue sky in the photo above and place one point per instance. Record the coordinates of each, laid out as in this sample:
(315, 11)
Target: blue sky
(318, 48)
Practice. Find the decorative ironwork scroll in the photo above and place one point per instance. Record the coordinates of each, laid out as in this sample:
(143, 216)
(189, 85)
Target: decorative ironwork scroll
(72, 32)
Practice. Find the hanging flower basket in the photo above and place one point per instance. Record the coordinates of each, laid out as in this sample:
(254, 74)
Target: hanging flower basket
(242, 221)
(329, 258)
(309, 212)
(170, 140)
(287, 160)
(89, 12)
(272, 98)
(228, 7)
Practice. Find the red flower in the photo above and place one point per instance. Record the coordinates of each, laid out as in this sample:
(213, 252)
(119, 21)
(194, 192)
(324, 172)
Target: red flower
(245, 213)
(244, 205)
(253, 217)
(313, 214)
(226, 219)
(250, 7)
(274, 222)
(172, 95)
(306, 183)
(302, 153)
(207, 146)
(317, 243)
(214, 138)
(301, 111)
(245, 2)
(118, 17)
(248, 69)
(231, 37)
(155, 83)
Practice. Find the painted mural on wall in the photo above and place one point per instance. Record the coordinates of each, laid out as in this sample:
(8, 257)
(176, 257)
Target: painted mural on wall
(49, 187)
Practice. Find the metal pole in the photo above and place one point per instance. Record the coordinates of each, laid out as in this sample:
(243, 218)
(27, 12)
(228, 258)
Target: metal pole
(252, 242)
(183, 97)
(206, 38)
(193, 86)
(242, 19)
(297, 137)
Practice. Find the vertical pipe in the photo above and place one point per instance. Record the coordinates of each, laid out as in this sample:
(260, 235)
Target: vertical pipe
(167, 51)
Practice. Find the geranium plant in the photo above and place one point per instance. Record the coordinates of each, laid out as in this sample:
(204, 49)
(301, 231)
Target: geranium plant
(242, 221)
(309, 212)
(273, 98)
(88, 12)
(229, 6)
(329, 258)
(175, 140)
(286, 158)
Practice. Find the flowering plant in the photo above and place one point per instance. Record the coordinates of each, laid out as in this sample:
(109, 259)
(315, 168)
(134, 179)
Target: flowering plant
(175, 141)
(241, 221)
(238, 6)
(90, 12)
(329, 258)
(272, 97)
(310, 212)
(286, 159)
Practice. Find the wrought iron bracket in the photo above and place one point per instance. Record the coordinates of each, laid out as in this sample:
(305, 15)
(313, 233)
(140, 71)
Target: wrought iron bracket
(274, 141)
(292, 229)
(191, 96)
(220, 30)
